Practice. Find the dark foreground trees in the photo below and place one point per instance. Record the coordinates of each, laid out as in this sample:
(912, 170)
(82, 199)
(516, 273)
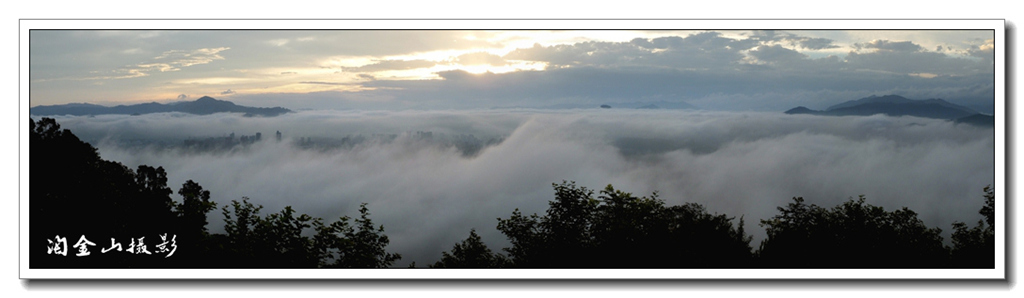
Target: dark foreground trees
(619, 230)
(287, 240)
(471, 253)
(975, 247)
(858, 235)
(852, 235)
(124, 218)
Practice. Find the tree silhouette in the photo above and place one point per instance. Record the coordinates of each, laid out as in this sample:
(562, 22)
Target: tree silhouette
(622, 231)
(471, 253)
(367, 245)
(852, 235)
(975, 247)
(74, 193)
(194, 207)
(278, 240)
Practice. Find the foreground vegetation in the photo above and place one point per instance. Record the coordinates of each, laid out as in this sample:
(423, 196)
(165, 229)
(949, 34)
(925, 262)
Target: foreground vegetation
(73, 192)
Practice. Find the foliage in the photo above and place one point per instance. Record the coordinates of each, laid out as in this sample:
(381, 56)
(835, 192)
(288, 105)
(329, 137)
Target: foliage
(279, 240)
(975, 247)
(852, 235)
(619, 230)
(73, 192)
(366, 249)
(471, 253)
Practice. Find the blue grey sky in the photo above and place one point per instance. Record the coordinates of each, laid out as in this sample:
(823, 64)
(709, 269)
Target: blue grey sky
(715, 70)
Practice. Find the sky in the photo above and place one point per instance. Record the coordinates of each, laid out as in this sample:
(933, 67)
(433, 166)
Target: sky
(430, 70)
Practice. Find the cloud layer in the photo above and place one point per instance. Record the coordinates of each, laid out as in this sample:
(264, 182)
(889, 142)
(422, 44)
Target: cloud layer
(721, 70)
(429, 197)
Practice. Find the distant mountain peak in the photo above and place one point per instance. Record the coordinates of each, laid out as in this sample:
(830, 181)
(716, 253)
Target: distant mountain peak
(891, 98)
(203, 106)
(800, 110)
(892, 105)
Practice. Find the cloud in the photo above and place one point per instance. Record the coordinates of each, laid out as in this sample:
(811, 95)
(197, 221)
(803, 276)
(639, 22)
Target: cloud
(893, 46)
(816, 43)
(775, 37)
(382, 65)
(777, 54)
(707, 50)
(985, 51)
(278, 42)
(323, 83)
(182, 96)
(479, 58)
(906, 62)
(288, 73)
(428, 197)
(181, 58)
(227, 92)
(169, 61)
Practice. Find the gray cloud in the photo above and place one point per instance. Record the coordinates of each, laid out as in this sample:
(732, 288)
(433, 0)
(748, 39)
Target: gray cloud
(182, 96)
(894, 46)
(774, 36)
(708, 50)
(985, 51)
(817, 43)
(226, 92)
(777, 54)
(915, 62)
(429, 197)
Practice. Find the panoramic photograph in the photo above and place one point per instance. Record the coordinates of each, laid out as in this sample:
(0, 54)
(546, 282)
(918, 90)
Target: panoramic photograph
(539, 149)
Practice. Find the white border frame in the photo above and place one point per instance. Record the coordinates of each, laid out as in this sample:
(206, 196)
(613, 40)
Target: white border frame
(999, 272)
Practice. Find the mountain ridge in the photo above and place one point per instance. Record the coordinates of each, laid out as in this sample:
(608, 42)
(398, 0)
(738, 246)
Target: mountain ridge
(203, 106)
(895, 105)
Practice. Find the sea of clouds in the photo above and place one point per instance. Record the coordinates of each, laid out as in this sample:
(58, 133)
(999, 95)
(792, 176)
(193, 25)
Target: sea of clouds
(428, 197)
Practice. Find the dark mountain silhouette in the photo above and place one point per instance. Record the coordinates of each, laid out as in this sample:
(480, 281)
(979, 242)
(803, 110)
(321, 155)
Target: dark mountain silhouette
(978, 119)
(202, 106)
(800, 110)
(892, 105)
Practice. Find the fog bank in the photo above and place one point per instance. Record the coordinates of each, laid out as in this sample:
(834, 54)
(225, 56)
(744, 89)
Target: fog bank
(429, 197)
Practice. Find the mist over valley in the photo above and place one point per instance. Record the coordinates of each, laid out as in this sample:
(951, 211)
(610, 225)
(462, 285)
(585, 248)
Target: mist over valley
(431, 176)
